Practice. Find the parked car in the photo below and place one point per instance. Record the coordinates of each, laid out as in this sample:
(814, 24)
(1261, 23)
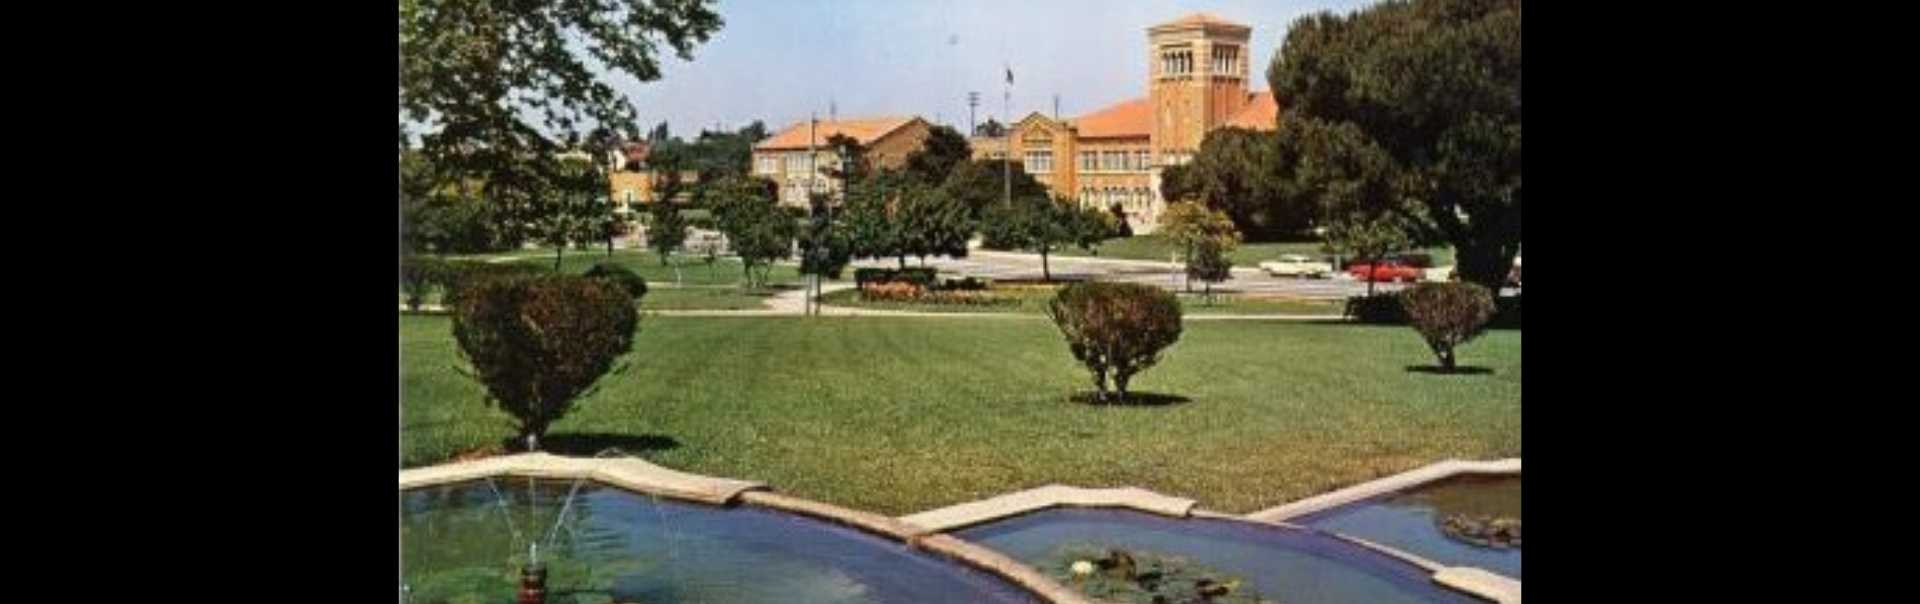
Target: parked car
(1297, 265)
(1385, 271)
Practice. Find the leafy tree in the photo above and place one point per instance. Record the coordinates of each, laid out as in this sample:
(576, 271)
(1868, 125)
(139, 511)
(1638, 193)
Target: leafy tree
(854, 165)
(1088, 226)
(1210, 265)
(474, 72)
(1447, 315)
(1187, 225)
(990, 128)
(538, 343)
(1121, 228)
(1115, 328)
(666, 230)
(825, 249)
(1233, 172)
(621, 277)
(757, 230)
(1035, 223)
(980, 184)
(875, 224)
(932, 224)
(943, 149)
(1433, 88)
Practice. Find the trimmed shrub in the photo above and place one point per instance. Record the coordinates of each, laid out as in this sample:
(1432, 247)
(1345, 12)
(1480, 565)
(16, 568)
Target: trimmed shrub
(1116, 328)
(1506, 314)
(620, 276)
(538, 342)
(1447, 315)
(459, 276)
(968, 284)
(923, 277)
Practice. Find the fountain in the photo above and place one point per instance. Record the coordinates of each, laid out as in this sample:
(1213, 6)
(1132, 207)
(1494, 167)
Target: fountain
(608, 543)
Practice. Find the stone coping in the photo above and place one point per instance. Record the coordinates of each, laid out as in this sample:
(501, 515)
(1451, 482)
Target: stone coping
(626, 472)
(1480, 583)
(1396, 482)
(1014, 504)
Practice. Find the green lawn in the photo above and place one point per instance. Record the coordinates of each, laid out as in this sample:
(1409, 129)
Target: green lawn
(1033, 300)
(1154, 247)
(898, 415)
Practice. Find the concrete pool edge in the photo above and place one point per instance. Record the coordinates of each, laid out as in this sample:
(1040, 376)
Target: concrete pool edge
(1397, 482)
(639, 476)
(967, 514)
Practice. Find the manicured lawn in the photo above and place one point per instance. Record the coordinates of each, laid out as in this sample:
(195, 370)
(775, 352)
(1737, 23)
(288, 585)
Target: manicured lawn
(1153, 247)
(898, 415)
(1033, 300)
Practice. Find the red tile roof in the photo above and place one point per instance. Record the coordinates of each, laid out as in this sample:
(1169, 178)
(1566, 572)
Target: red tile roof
(1125, 119)
(1259, 113)
(866, 130)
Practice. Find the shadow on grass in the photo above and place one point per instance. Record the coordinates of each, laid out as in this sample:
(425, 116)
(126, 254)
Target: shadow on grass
(1134, 399)
(588, 444)
(1437, 370)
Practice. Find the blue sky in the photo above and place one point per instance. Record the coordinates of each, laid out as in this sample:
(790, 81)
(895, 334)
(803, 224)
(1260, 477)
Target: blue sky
(779, 60)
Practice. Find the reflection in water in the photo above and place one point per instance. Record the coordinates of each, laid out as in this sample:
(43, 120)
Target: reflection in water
(1410, 520)
(1289, 565)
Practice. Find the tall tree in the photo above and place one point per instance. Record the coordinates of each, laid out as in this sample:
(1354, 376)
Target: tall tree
(666, 230)
(854, 166)
(472, 73)
(935, 159)
(990, 128)
(1036, 223)
(873, 218)
(980, 184)
(933, 224)
(1233, 172)
(757, 230)
(1433, 86)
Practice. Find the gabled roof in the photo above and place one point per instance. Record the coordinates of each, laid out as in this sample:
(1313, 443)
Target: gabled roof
(865, 130)
(1259, 113)
(1126, 119)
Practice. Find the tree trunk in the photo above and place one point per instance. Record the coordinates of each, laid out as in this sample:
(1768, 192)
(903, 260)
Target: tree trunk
(903, 262)
(1485, 265)
(1446, 359)
(1046, 273)
(557, 252)
(1100, 386)
(1370, 268)
(609, 246)
(1120, 380)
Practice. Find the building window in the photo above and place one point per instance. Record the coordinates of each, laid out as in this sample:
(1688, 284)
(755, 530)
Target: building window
(1039, 162)
(796, 163)
(1086, 161)
(767, 164)
(1176, 60)
(1142, 161)
(1226, 59)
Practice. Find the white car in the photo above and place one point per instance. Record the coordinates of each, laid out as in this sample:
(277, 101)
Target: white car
(1296, 265)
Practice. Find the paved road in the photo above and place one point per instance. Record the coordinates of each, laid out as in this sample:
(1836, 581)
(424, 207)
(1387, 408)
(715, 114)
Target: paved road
(1007, 265)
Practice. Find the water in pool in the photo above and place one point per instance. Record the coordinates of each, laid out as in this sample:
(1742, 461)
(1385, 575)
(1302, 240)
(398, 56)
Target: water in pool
(459, 545)
(1287, 565)
(1409, 520)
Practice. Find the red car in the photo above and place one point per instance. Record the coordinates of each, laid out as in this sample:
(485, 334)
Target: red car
(1386, 270)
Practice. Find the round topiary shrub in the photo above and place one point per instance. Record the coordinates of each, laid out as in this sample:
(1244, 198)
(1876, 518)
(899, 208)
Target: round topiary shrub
(1447, 315)
(625, 279)
(538, 342)
(1116, 328)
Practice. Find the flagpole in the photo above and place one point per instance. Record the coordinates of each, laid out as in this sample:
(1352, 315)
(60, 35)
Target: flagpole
(1006, 110)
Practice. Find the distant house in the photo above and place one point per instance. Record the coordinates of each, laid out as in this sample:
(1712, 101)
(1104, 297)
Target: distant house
(783, 157)
(632, 180)
(1196, 83)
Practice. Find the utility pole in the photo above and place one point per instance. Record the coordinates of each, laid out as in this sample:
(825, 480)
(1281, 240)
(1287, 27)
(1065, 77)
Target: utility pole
(813, 175)
(1056, 107)
(1006, 169)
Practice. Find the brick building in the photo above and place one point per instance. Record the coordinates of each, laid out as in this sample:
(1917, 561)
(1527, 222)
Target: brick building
(783, 157)
(1197, 69)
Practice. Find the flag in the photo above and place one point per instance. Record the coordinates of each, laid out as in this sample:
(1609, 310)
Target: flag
(1009, 75)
